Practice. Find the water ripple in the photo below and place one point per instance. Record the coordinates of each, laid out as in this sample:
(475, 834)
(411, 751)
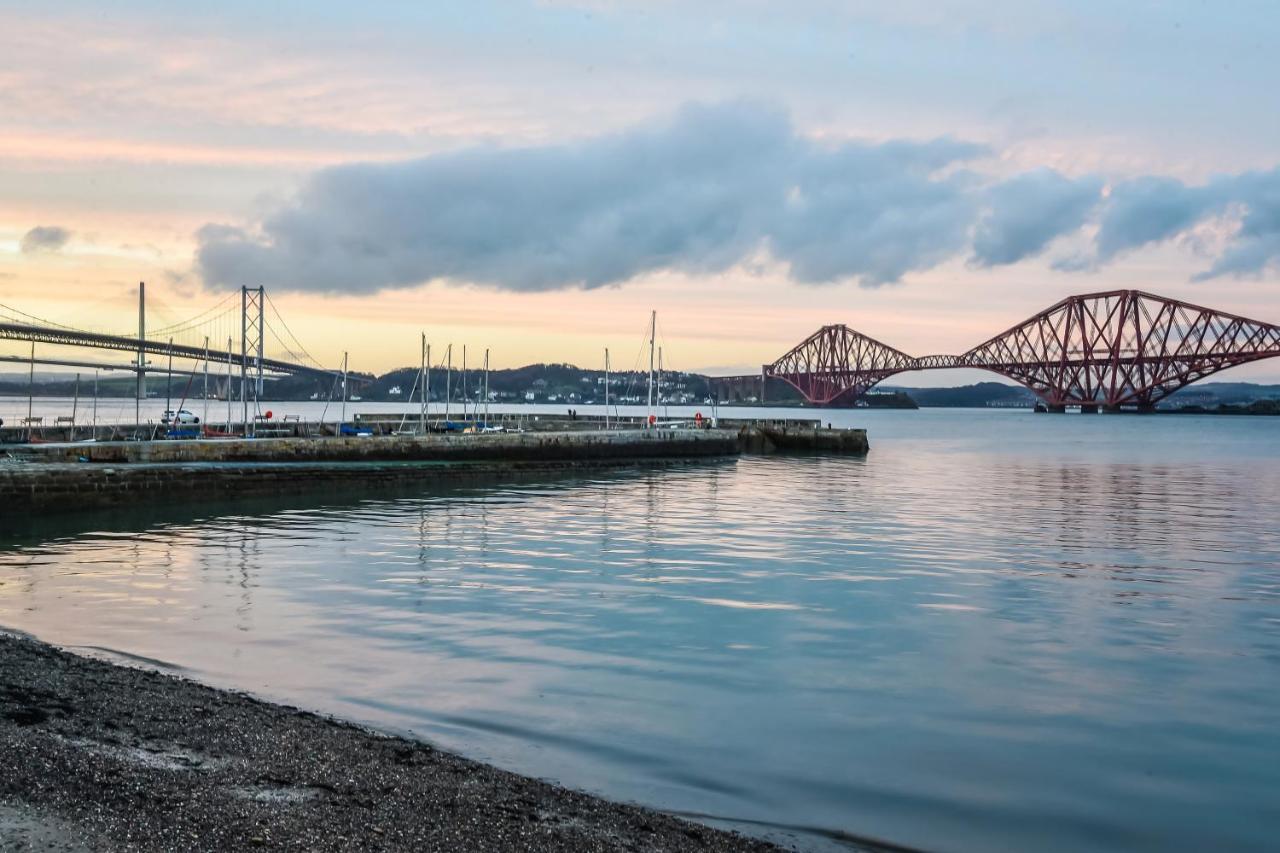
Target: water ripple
(993, 632)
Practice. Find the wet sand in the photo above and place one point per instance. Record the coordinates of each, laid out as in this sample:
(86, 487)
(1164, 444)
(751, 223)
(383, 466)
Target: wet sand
(96, 756)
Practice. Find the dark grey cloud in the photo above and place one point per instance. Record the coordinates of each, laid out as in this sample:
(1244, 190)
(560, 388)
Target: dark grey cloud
(1255, 247)
(1026, 213)
(871, 212)
(1150, 210)
(45, 238)
(698, 193)
(703, 191)
(1075, 262)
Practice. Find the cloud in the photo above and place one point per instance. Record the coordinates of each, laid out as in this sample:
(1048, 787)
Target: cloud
(1153, 209)
(873, 213)
(699, 192)
(1028, 212)
(702, 191)
(1075, 262)
(1256, 244)
(1150, 210)
(45, 238)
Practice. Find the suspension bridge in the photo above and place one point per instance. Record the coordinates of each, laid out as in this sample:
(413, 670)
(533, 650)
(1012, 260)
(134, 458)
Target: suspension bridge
(256, 316)
(1121, 349)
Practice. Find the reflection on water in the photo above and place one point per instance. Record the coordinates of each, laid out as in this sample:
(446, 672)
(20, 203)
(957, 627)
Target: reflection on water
(995, 631)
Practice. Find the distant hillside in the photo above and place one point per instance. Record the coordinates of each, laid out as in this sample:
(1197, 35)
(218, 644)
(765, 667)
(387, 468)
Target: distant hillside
(998, 394)
(540, 383)
(983, 394)
(1230, 393)
(570, 385)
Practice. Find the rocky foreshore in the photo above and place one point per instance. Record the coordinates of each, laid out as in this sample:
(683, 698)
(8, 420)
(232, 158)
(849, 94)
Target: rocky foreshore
(100, 757)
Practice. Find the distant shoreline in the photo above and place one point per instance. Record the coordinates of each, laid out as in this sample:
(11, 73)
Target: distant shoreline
(902, 400)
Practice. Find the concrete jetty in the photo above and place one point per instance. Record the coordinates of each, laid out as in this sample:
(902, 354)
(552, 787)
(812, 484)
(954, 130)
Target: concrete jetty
(50, 477)
(802, 438)
(432, 447)
(63, 477)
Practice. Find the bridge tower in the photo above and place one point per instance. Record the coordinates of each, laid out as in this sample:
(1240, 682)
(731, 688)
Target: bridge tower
(251, 340)
(142, 339)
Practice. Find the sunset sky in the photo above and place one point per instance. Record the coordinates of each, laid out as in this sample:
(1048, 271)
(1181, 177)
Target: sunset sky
(534, 177)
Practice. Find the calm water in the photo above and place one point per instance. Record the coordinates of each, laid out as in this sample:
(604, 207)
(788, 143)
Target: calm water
(998, 631)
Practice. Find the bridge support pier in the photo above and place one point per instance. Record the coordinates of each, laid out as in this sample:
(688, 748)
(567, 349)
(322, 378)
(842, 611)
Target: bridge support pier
(1057, 410)
(1111, 409)
(1089, 410)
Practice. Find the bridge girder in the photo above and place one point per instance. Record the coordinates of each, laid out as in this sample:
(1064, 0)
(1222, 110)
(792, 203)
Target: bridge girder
(1122, 347)
(95, 340)
(1113, 349)
(837, 363)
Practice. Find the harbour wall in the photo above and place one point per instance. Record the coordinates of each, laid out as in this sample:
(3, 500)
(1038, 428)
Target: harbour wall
(87, 475)
(773, 438)
(435, 447)
(62, 477)
(378, 424)
(63, 487)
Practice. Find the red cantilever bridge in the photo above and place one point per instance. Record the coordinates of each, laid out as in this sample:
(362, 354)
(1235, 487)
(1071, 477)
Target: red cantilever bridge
(1115, 350)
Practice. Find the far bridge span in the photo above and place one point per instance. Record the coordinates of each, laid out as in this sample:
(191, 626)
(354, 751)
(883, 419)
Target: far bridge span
(1121, 349)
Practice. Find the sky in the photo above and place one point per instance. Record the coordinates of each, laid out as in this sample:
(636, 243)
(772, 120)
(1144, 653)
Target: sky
(536, 177)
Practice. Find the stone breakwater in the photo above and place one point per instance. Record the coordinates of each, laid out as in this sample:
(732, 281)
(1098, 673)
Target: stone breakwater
(65, 477)
(65, 487)
(504, 447)
(50, 478)
(770, 438)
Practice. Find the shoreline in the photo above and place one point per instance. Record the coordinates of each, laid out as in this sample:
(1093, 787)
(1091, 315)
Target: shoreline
(96, 755)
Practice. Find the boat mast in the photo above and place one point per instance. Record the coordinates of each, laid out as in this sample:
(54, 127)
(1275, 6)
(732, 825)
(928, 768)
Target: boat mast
(31, 387)
(95, 406)
(486, 386)
(229, 383)
(464, 383)
(141, 393)
(658, 394)
(168, 388)
(205, 414)
(653, 329)
(448, 382)
(344, 393)
(422, 378)
(244, 360)
(75, 404)
(606, 388)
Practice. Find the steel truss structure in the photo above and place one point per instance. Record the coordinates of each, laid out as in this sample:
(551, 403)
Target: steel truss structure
(836, 363)
(1118, 349)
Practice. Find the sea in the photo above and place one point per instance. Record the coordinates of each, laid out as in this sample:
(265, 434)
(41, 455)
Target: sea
(999, 630)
